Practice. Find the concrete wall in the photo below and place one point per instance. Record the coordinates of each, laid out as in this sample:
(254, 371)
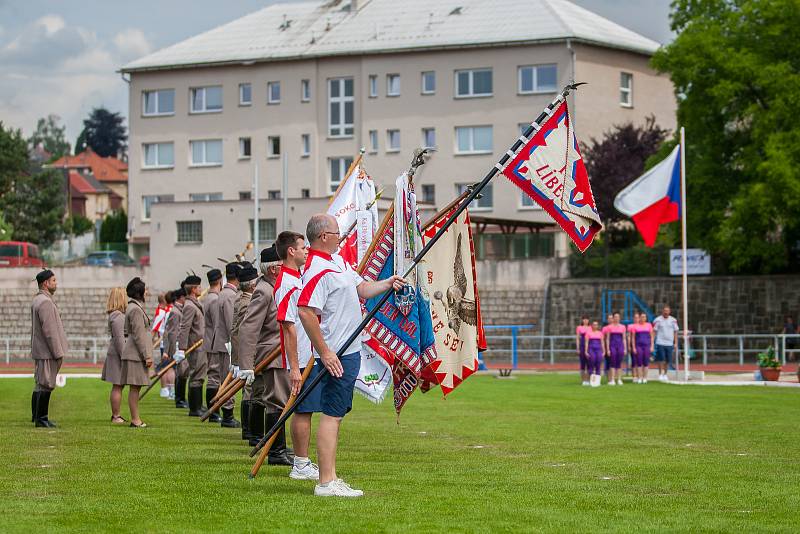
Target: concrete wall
(77, 277)
(530, 274)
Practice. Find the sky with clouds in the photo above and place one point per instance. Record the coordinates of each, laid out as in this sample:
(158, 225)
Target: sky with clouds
(61, 57)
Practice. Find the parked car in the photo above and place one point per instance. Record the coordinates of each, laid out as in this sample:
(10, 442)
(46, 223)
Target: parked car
(19, 254)
(109, 258)
(144, 261)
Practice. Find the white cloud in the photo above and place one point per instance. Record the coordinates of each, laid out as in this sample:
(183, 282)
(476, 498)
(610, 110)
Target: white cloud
(132, 44)
(51, 23)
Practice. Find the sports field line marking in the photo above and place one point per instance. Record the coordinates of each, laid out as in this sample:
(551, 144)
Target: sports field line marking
(67, 375)
(737, 383)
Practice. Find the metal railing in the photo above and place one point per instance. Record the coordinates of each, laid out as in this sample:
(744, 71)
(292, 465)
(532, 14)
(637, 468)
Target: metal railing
(81, 348)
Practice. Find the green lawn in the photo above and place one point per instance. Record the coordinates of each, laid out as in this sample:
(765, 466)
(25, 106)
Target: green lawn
(538, 453)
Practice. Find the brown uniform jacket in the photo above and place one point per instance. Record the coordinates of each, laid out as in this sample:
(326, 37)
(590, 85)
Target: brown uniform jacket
(172, 328)
(223, 318)
(259, 332)
(138, 344)
(193, 325)
(116, 329)
(239, 311)
(210, 315)
(48, 340)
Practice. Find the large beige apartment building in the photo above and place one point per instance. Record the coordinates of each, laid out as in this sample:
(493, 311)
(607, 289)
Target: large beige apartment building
(308, 84)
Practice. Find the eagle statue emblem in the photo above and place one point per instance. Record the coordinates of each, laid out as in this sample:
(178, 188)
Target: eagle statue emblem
(459, 308)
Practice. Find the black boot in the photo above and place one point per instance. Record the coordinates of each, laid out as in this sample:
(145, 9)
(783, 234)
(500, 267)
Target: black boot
(42, 409)
(34, 401)
(210, 394)
(245, 407)
(279, 453)
(228, 420)
(256, 423)
(196, 401)
(180, 393)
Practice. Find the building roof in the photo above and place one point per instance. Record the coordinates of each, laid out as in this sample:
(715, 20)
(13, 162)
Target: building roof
(103, 169)
(87, 184)
(331, 28)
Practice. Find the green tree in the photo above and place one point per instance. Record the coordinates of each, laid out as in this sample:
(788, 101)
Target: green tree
(736, 69)
(114, 228)
(77, 224)
(80, 142)
(13, 158)
(6, 230)
(105, 133)
(51, 136)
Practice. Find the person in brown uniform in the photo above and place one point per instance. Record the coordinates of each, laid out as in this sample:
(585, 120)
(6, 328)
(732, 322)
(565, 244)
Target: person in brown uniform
(259, 334)
(247, 283)
(137, 356)
(210, 314)
(48, 347)
(112, 367)
(193, 328)
(171, 345)
(219, 359)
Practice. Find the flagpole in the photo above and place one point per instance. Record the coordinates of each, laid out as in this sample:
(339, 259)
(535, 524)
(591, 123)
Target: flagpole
(685, 276)
(449, 222)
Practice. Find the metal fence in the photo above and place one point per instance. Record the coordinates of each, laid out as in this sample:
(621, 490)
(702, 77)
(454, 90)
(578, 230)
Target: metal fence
(82, 349)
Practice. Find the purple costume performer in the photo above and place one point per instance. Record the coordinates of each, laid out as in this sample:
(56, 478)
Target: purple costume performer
(616, 345)
(595, 356)
(643, 344)
(581, 331)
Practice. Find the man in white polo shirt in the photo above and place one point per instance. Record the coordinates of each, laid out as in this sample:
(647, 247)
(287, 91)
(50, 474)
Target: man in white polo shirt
(330, 310)
(666, 341)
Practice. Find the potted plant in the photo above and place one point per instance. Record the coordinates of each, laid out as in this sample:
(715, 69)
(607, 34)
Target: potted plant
(769, 365)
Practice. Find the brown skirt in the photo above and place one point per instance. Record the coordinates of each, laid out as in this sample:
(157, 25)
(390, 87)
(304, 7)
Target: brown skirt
(112, 369)
(134, 374)
(45, 374)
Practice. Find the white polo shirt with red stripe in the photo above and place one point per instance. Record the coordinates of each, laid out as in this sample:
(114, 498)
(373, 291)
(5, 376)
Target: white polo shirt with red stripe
(329, 287)
(287, 292)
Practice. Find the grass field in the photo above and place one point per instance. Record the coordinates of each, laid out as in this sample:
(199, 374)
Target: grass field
(538, 453)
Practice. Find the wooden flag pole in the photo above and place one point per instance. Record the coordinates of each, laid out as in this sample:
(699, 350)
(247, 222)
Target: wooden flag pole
(168, 367)
(224, 385)
(350, 169)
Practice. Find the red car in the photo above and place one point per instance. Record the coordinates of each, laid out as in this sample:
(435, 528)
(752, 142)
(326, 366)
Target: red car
(19, 254)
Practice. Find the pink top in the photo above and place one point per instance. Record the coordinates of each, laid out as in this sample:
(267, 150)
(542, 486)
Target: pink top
(615, 329)
(595, 335)
(646, 327)
(583, 330)
(604, 329)
(632, 327)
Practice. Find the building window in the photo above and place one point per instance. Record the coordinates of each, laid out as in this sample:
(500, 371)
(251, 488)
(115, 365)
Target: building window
(190, 231)
(373, 141)
(273, 92)
(244, 148)
(339, 168)
(341, 107)
(205, 197)
(158, 155)
(245, 195)
(305, 90)
(274, 194)
(149, 200)
(305, 141)
(474, 140)
(429, 137)
(392, 140)
(273, 146)
(392, 85)
(481, 204)
(206, 153)
(305, 193)
(161, 102)
(527, 202)
(245, 94)
(429, 193)
(267, 230)
(206, 99)
(537, 79)
(521, 245)
(373, 86)
(473, 83)
(428, 82)
(626, 89)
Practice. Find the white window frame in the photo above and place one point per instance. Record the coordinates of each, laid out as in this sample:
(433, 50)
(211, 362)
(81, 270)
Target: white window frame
(389, 79)
(178, 233)
(342, 101)
(473, 151)
(204, 109)
(372, 83)
(472, 93)
(267, 229)
(305, 90)
(373, 141)
(425, 137)
(422, 193)
(475, 204)
(628, 91)
(145, 166)
(145, 214)
(270, 99)
(344, 165)
(535, 79)
(205, 197)
(242, 101)
(205, 162)
(156, 93)
(389, 148)
(271, 154)
(423, 90)
(305, 145)
(242, 140)
(525, 198)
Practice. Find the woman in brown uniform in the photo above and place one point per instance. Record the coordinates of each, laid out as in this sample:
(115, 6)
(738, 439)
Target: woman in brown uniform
(137, 355)
(112, 368)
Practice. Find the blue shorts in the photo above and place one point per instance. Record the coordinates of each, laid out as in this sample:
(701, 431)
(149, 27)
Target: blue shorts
(312, 403)
(664, 353)
(337, 393)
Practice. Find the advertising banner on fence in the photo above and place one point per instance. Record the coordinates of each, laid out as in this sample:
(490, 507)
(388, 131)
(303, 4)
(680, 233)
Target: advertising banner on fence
(698, 261)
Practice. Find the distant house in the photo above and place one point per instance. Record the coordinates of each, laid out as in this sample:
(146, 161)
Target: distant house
(104, 180)
(89, 197)
(39, 155)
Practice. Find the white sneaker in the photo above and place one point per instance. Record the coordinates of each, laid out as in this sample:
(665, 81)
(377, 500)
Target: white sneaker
(595, 381)
(662, 378)
(585, 383)
(637, 380)
(644, 381)
(611, 383)
(307, 471)
(336, 488)
(164, 393)
(619, 381)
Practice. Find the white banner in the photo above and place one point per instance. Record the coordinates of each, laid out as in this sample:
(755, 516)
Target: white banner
(698, 261)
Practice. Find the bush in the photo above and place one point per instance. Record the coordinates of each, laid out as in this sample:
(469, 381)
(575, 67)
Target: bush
(114, 228)
(76, 225)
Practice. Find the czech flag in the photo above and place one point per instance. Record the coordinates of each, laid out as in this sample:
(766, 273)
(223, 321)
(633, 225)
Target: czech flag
(654, 198)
